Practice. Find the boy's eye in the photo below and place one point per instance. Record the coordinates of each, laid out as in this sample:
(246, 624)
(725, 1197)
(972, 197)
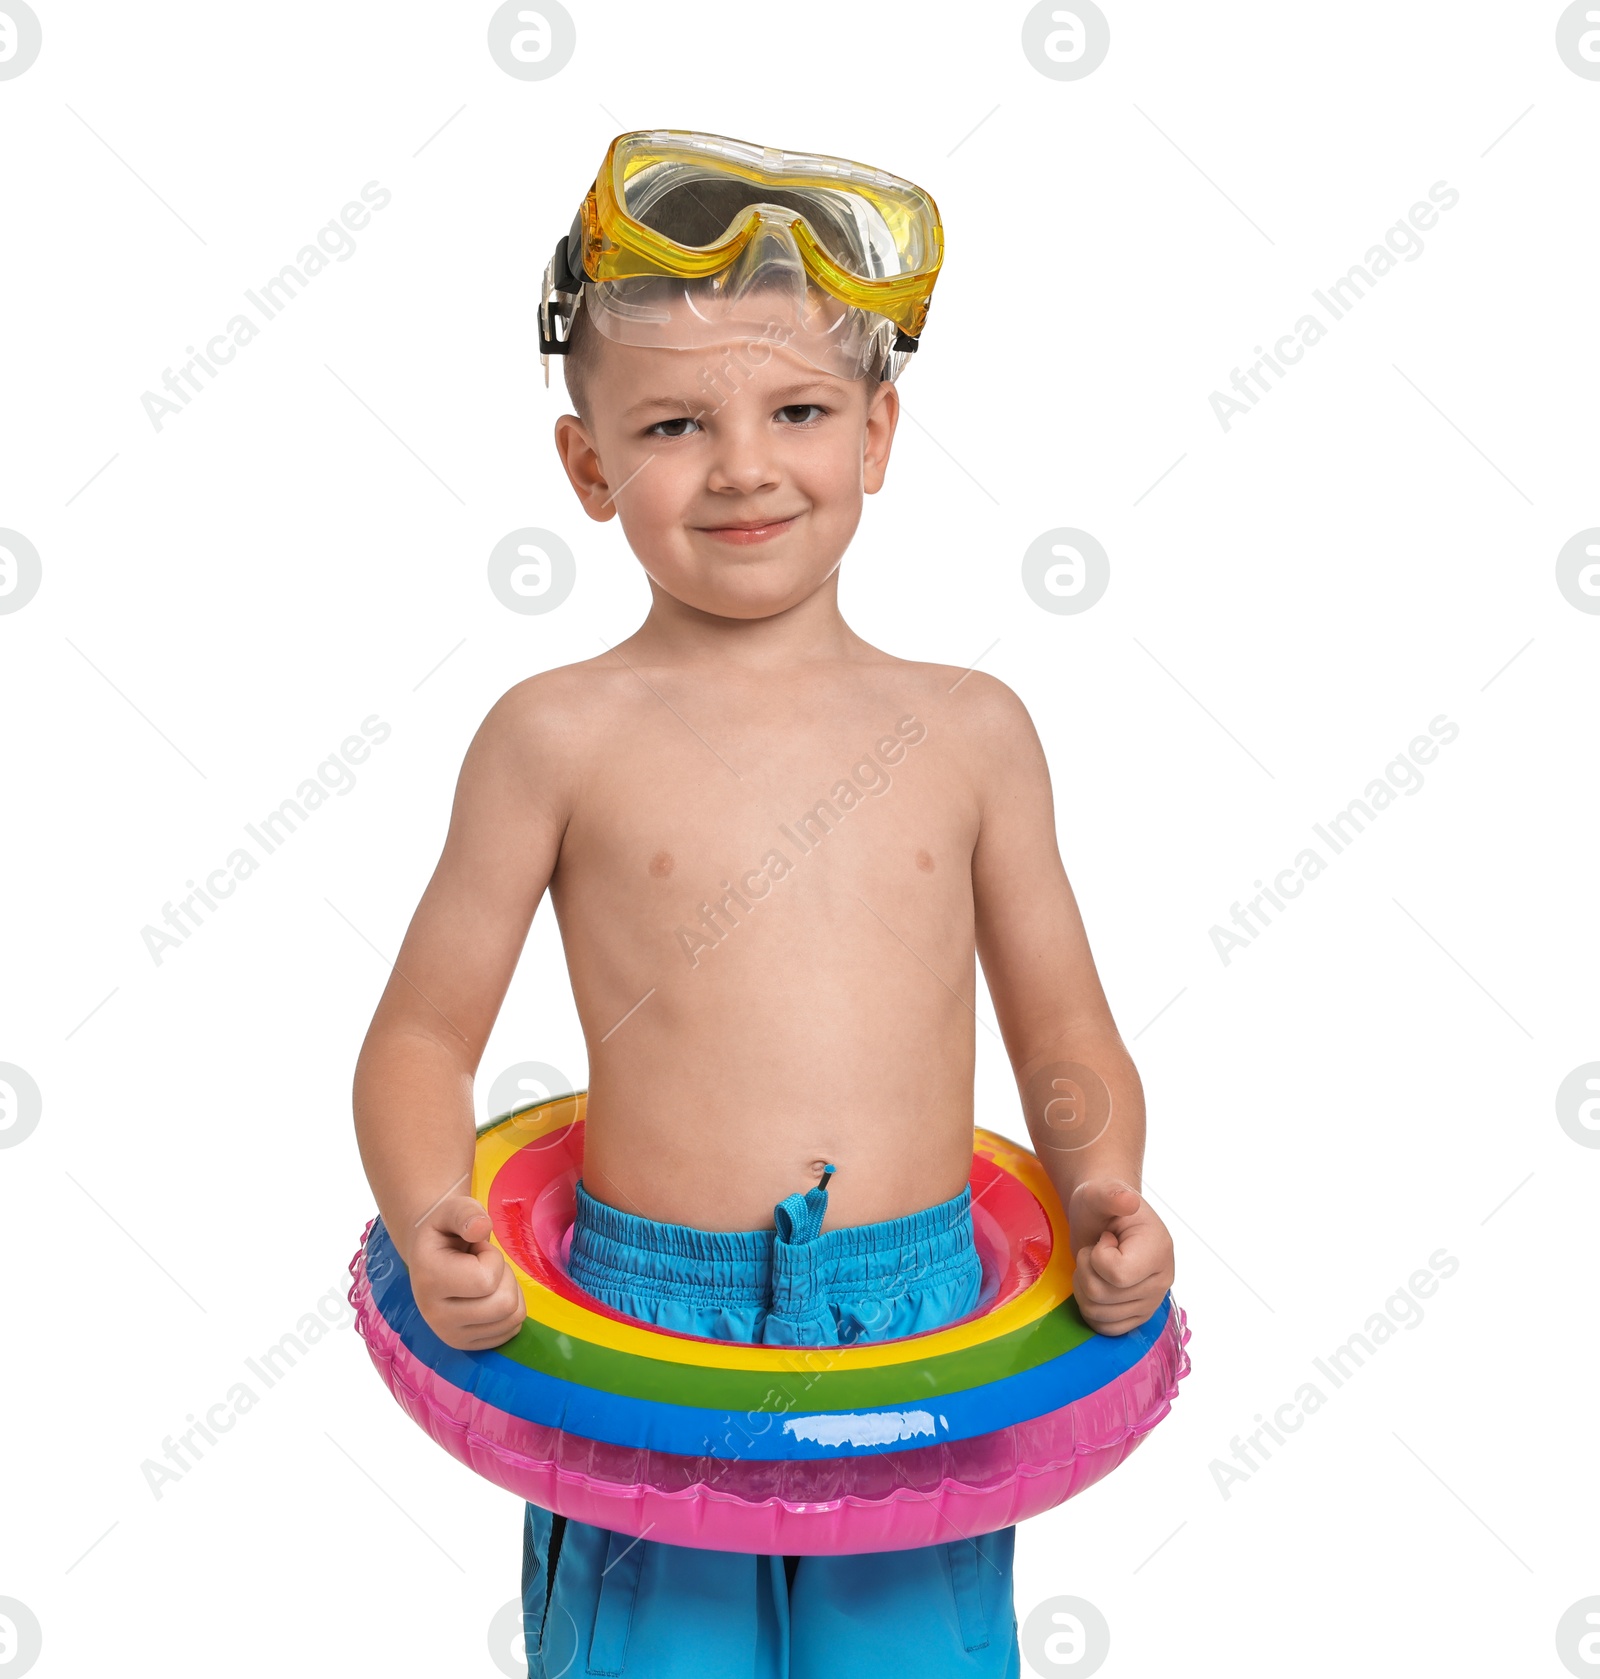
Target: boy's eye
(799, 413)
(664, 428)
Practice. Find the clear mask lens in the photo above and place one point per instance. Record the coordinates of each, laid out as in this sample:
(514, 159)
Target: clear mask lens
(698, 208)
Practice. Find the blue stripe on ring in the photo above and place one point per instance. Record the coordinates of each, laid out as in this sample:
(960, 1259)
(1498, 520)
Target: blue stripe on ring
(692, 1431)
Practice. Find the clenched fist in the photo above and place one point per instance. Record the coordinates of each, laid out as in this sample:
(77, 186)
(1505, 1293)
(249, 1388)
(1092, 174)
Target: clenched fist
(466, 1292)
(1123, 1252)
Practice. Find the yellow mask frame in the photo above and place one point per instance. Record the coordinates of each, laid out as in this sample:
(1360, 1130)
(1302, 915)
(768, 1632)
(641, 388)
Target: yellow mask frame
(616, 245)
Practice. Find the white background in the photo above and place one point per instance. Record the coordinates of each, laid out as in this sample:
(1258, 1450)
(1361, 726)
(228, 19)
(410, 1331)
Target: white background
(1374, 545)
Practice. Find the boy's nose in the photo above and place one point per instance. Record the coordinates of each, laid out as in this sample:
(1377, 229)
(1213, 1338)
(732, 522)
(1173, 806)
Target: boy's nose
(742, 462)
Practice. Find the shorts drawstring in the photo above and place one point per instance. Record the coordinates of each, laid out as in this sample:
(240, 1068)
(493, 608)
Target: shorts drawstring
(798, 1218)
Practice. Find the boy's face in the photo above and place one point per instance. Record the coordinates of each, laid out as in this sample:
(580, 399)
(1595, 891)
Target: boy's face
(737, 468)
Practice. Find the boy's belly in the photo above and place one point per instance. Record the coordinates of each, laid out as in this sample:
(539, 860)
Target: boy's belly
(709, 1109)
(717, 1180)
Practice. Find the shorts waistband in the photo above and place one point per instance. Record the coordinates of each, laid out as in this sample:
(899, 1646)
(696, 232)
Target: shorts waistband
(791, 1263)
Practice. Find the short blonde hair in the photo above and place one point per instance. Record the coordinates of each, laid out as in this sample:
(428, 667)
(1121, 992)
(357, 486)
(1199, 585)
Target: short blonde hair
(583, 348)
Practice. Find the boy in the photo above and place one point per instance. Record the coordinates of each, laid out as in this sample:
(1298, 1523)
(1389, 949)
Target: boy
(773, 852)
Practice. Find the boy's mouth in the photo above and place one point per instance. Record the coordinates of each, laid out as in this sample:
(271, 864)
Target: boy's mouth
(750, 530)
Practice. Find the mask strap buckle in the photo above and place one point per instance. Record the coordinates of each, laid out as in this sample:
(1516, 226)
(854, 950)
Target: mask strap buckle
(558, 302)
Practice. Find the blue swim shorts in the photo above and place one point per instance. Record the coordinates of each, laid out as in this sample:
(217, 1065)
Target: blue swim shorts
(597, 1602)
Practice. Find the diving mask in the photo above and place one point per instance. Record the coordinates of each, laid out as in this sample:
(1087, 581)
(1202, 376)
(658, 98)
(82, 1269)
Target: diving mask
(686, 240)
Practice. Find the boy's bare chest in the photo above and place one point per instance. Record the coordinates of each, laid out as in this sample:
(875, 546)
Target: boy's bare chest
(828, 815)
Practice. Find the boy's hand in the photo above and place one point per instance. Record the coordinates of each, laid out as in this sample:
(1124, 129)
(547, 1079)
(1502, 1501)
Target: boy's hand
(1123, 1252)
(466, 1292)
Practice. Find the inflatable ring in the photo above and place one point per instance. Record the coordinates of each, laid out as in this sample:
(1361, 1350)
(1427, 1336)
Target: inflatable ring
(774, 1449)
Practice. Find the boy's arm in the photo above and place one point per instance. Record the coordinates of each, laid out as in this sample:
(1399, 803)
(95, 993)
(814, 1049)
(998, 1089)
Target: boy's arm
(414, 1117)
(1081, 1094)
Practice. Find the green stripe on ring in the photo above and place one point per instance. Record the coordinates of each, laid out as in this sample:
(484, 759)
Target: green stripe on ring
(554, 1353)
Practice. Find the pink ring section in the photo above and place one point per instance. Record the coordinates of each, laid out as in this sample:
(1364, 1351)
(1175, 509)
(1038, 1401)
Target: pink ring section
(817, 1507)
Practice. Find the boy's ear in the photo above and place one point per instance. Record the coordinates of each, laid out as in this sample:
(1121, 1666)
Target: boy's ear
(883, 413)
(584, 472)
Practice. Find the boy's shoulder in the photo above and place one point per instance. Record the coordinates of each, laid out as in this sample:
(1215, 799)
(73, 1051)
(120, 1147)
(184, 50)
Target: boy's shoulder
(564, 698)
(541, 730)
(983, 710)
(987, 730)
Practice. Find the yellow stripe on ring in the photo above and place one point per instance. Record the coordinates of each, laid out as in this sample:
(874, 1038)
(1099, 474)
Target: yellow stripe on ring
(1053, 1285)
